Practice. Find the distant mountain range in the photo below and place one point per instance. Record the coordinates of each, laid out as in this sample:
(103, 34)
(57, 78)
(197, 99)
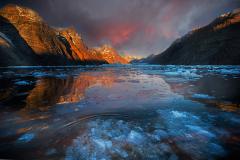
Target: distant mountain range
(130, 58)
(26, 39)
(217, 43)
(143, 60)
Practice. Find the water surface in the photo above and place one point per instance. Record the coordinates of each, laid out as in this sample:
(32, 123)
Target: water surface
(120, 112)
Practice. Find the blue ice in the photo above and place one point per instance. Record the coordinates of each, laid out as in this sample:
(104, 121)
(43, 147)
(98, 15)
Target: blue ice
(202, 96)
(26, 137)
(22, 83)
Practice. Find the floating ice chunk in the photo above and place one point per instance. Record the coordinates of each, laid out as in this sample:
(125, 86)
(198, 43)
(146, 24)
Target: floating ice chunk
(165, 147)
(120, 152)
(230, 71)
(22, 83)
(202, 96)
(26, 137)
(159, 134)
(171, 73)
(178, 114)
(183, 72)
(135, 137)
(201, 131)
(103, 144)
(40, 74)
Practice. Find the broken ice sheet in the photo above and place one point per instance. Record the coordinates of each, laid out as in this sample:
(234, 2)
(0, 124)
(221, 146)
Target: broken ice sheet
(117, 138)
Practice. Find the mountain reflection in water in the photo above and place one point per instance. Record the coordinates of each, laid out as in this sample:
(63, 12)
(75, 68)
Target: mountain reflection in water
(51, 91)
(48, 91)
(123, 112)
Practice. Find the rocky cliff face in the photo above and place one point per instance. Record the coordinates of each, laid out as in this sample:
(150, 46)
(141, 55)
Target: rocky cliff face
(216, 43)
(110, 55)
(78, 48)
(26, 39)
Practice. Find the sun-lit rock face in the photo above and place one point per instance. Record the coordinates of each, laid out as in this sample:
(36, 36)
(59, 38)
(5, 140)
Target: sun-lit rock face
(110, 55)
(37, 34)
(77, 46)
(15, 14)
(37, 37)
(13, 49)
(216, 43)
(130, 58)
(28, 36)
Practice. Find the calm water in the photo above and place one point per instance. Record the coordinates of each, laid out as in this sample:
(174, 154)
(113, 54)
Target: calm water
(120, 112)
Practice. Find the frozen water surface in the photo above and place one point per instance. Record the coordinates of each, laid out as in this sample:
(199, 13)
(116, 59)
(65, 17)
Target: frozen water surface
(120, 112)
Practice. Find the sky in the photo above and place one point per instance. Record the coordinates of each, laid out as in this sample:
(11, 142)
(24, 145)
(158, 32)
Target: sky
(133, 27)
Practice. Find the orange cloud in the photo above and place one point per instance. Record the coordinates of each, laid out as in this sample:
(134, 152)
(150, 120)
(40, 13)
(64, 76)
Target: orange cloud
(118, 34)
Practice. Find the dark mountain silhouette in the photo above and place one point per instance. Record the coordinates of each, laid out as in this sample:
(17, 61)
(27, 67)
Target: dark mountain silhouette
(216, 43)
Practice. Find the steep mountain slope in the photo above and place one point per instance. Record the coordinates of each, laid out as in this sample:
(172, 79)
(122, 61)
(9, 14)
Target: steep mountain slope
(26, 39)
(77, 47)
(216, 43)
(13, 48)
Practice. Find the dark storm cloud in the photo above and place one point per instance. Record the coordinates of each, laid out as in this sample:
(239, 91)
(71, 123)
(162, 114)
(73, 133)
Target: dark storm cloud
(138, 27)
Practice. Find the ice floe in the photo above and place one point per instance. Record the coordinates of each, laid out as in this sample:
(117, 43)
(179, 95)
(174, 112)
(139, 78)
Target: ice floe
(182, 72)
(26, 137)
(192, 135)
(178, 114)
(200, 130)
(202, 96)
(22, 83)
(106, 139)
(40, 74)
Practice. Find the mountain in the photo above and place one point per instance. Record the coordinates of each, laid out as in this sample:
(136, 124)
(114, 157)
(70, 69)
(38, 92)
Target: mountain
(216, 43)
(26, 39)
(130, 58)
(144, 60)
(110, 54)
